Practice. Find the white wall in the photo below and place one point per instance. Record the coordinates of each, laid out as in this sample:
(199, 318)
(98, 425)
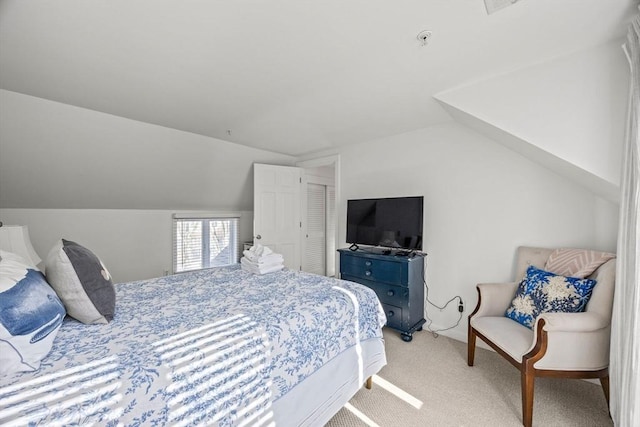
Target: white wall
(133, 244)
(481, 201)
(54, 155)
(572, 107)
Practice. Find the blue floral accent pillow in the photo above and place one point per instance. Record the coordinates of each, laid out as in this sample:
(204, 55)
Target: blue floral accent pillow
(543, 292)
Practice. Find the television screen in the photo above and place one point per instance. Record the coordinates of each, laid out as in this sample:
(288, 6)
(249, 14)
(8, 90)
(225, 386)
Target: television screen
(391, 222)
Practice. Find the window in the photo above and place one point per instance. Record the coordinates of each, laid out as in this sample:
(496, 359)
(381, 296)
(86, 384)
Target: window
(204, 242)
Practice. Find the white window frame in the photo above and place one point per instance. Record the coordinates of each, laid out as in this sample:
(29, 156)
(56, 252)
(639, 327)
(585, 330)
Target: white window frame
(205, 217)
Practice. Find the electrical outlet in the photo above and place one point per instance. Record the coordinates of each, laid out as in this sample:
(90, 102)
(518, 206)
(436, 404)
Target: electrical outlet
(461, 306)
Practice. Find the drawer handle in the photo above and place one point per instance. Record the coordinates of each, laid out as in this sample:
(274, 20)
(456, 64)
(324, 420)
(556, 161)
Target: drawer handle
(390, 293)
(367, 273)
(367, 263)
(390, 313)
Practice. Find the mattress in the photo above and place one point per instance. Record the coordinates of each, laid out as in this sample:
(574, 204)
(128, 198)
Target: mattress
(220, 346)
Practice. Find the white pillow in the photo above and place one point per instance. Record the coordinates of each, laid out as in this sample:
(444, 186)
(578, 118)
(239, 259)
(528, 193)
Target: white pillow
(82, 282)
(30, 315)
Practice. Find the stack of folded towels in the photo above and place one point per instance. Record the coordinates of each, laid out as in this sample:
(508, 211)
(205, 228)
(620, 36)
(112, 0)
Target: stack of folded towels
(261, 260)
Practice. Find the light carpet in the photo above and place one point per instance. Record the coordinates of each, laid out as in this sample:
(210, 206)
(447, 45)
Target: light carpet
(432, 373)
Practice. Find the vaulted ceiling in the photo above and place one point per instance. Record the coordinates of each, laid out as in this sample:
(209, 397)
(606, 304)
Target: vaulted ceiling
(290, 76)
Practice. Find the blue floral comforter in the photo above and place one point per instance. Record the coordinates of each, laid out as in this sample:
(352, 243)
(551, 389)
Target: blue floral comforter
(216, 346)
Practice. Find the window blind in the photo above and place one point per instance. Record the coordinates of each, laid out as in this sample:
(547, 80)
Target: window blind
(204, 241)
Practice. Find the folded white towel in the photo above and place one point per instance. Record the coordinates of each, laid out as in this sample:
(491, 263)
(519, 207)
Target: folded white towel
(264, 259)
(247, 265)
(260, 250)
(248, 262)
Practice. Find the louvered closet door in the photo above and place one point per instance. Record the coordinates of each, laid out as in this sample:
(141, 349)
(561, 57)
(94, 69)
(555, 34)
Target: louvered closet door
(315, 249)
(331, 230)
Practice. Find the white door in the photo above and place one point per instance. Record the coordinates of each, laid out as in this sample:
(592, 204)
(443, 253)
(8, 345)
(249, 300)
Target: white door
(276, 210)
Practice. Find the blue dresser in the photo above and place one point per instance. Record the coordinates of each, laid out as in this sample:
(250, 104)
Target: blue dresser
(397, 280)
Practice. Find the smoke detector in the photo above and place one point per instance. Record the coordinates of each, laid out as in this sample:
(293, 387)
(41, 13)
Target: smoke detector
(424, 36)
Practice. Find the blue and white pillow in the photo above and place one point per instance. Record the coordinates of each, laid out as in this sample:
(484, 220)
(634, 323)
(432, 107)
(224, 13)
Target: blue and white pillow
(544, 292)
(30, 315)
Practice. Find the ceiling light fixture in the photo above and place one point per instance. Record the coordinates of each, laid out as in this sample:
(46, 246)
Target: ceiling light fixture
(495, 5)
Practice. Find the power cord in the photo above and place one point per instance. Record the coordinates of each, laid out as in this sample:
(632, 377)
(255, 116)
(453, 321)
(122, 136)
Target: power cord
(427, 302)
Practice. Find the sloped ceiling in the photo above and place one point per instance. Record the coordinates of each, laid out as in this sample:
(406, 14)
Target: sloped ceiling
(567, 114)
(290, 76)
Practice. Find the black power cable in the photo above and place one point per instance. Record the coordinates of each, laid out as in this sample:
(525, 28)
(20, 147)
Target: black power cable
(427, 301)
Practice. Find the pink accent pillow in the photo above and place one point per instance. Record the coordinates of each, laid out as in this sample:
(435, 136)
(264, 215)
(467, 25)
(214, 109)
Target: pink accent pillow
(578, 263)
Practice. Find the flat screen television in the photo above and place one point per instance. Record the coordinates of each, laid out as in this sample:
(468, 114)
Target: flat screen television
(394, 222)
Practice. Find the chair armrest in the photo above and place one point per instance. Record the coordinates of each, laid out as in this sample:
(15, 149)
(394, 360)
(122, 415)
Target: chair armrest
(494, 298)
(570, 341)
(573, 322)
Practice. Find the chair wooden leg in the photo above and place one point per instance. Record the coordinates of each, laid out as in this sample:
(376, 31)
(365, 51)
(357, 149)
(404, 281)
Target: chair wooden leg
(604, 381)
(471, 346)
(528, 382)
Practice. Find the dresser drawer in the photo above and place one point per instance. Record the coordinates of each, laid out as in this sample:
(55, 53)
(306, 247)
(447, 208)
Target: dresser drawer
(388, 294)
(372, 269)
(394, 315)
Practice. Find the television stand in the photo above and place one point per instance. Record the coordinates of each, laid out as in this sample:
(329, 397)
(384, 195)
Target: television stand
(396, 280)
(354, 247)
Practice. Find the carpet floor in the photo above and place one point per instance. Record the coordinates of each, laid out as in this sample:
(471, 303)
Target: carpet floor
(427, 383)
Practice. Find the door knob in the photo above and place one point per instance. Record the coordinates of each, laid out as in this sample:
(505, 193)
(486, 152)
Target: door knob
(258, 237)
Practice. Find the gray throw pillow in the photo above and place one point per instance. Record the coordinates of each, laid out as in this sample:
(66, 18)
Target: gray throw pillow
(82, 282)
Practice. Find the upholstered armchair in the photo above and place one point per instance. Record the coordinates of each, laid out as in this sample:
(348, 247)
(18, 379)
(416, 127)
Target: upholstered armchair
(570, 345)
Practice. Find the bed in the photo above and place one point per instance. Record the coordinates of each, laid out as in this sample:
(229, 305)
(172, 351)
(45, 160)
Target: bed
(218, 346)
